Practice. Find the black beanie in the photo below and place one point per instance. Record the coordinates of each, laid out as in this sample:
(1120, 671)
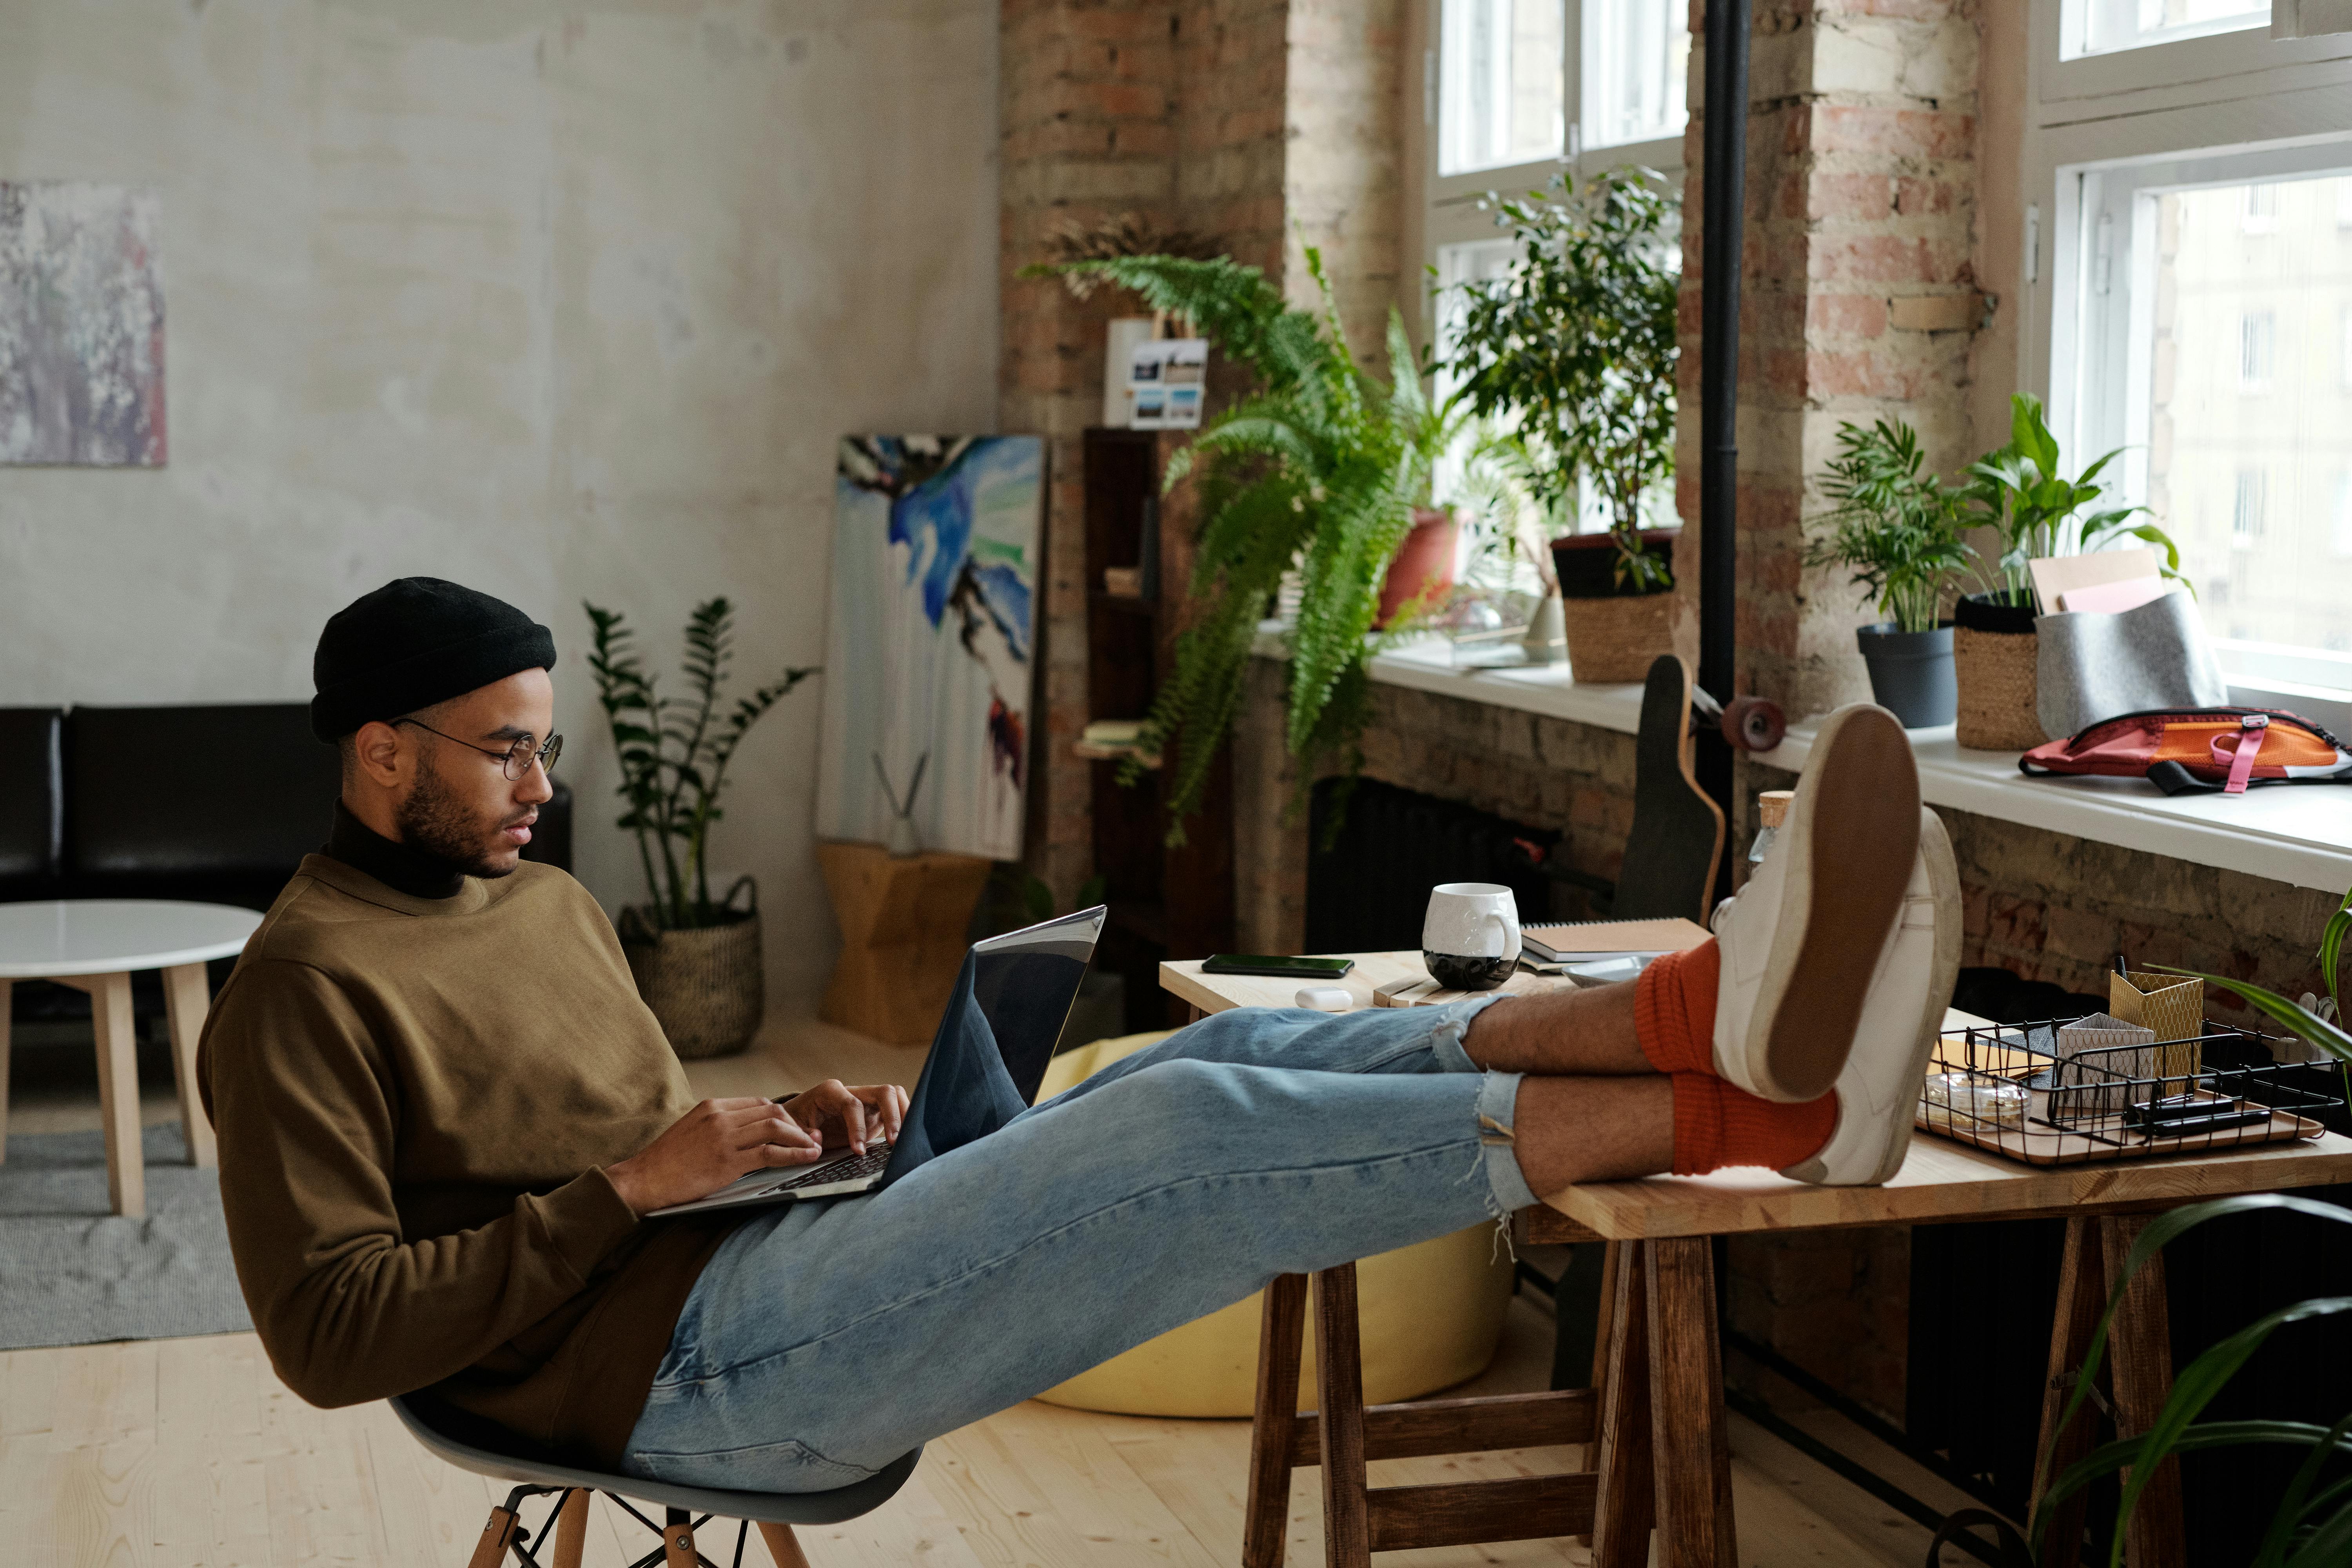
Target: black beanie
(415, 642)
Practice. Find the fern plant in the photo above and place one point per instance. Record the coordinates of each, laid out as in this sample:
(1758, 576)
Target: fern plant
(674, 753)
(1320, 466)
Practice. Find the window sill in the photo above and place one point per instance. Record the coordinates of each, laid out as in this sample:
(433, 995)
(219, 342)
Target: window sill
(2299, 834)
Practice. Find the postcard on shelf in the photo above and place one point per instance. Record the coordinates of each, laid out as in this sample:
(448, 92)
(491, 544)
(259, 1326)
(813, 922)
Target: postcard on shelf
(1165, 378)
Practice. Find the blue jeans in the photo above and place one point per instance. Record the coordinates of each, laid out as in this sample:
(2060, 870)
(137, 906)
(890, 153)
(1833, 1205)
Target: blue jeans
(826, 1339)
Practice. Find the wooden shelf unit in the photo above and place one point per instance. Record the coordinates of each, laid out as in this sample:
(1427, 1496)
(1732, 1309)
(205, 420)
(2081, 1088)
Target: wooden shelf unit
(1165, 903)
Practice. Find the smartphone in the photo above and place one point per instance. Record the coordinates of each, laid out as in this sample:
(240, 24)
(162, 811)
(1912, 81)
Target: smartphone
(1286, 968)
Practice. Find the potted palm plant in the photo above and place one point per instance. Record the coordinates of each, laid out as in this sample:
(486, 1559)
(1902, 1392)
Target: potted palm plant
(1574, 348)
(1319, 469)
(2032, 511)
(695, 958)
(1898, 531)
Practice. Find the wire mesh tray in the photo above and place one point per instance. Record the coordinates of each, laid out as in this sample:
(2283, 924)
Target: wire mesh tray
(2010, 1089)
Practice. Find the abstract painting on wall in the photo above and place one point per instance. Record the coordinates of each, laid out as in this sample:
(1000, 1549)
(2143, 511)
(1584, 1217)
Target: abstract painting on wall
(927, 667)
(81, 326)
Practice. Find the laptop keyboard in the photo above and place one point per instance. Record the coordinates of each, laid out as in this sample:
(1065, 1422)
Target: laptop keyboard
(870, 1163)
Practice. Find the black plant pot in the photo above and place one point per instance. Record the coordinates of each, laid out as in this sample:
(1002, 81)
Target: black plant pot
(1911, 673)
(1587, 562)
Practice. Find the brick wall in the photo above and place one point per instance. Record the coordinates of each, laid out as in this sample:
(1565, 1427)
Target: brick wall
(1231, 119)
(1858, 297)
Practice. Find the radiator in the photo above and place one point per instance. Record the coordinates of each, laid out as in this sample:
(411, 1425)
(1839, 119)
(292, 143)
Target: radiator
(1369, 890)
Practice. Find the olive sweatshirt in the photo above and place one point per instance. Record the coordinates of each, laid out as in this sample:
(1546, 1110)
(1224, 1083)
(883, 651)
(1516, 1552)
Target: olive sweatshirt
(415, 1099)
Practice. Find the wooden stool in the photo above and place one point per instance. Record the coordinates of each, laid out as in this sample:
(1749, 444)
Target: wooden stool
(902, 937)
(1661, 1371)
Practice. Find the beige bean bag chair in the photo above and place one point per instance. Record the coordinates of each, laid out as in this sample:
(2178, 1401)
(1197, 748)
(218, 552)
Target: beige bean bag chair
(1431, 1316)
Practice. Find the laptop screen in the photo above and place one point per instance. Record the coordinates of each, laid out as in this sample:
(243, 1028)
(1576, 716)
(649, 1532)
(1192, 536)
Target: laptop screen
(1025, 983)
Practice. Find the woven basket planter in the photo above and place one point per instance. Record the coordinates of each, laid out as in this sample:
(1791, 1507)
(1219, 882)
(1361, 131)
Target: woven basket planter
(1618, 638)
(1996, 659)
(704, 986)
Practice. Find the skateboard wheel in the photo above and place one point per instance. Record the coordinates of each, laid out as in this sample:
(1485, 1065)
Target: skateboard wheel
(1753, 723)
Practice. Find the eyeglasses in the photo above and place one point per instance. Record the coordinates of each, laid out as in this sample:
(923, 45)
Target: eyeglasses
(515, 760)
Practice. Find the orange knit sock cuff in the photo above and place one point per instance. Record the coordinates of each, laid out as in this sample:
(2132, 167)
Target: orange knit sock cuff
(1674, 1010)
(1718, 1124)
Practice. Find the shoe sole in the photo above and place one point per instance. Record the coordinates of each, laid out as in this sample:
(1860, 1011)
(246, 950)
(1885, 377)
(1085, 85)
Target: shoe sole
(1846, 890)
(1944, 883)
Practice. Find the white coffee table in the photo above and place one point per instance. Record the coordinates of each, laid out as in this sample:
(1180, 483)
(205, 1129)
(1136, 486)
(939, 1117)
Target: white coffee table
(94, 945)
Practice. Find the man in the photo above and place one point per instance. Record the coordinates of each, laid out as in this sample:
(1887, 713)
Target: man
(443, 1111)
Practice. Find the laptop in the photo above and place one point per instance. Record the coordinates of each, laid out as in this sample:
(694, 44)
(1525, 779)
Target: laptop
(1024, 984)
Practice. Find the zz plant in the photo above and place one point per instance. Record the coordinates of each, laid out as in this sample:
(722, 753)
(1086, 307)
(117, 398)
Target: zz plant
(1318, 467)
(674, 753)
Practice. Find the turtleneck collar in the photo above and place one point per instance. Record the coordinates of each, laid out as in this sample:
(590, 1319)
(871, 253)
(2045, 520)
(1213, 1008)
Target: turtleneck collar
(402, 867)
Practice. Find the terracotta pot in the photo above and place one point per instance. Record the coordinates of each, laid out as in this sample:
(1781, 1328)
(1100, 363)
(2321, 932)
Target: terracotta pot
(1424, 563)
(1996, 664)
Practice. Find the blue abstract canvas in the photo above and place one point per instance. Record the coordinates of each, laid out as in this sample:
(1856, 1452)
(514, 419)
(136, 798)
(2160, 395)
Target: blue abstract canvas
(928, 660)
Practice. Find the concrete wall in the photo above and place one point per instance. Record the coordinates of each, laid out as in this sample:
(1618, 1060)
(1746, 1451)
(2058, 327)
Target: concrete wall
(558, 300)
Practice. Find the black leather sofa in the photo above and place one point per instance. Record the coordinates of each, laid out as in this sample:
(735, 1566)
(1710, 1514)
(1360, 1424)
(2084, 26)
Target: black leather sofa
(216, 803)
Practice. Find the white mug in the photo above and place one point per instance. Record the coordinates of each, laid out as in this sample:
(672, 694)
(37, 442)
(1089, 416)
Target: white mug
(1470, 938)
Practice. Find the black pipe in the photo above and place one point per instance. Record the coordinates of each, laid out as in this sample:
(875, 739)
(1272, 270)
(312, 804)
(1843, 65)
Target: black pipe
(1724, 173)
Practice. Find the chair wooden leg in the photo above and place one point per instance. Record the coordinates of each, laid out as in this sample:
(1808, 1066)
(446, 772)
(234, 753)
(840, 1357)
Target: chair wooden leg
(677, 1539)
(1265, 1518)
(1627, 1504)
(1694, 1451)
(497, 1535)
(2080, 1300)
(6, 988)
(572, 1528)
(2140, 1345)
(118, 1092)
(1347, 1511)
(187, 995)
(782, 1545)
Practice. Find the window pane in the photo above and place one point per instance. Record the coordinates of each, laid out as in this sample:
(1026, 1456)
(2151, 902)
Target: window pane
(1502, 100)
(1636, 70)
(2103, 27)
(2244, 425)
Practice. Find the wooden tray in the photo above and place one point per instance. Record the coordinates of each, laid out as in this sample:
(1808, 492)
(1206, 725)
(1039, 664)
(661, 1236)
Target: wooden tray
(2039, 1145)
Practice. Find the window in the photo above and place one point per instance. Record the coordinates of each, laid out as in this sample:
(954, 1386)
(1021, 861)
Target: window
(1520, 90)
(1504, 96)
(2103, 27)
(1637, 54)
(2189, 298)
(2257, 333)
(2246, 515)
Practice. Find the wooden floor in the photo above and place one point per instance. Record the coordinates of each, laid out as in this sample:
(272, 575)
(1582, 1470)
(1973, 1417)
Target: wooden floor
(177, 1453)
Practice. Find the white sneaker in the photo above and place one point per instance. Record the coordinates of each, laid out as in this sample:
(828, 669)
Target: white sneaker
(1802, 941)
(1878, 1093)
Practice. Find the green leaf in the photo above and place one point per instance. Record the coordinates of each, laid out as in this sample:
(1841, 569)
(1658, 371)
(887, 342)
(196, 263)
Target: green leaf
(2277, 1008)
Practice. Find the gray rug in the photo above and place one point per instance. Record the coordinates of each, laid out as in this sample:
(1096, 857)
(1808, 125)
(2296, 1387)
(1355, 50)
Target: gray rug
(72, 1273)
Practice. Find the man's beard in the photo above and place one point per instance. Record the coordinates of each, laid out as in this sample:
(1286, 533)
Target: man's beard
(434, 820)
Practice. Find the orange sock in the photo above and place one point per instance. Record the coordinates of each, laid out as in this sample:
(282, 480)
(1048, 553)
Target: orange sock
(1715, 1123)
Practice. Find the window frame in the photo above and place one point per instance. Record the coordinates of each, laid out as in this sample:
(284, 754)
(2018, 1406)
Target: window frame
(2240, 96)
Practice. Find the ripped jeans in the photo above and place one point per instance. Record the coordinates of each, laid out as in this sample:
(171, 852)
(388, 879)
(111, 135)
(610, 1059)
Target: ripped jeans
(825, 1339)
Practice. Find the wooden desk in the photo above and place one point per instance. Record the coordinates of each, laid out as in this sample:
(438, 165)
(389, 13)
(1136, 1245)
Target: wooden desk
(1655, 1409)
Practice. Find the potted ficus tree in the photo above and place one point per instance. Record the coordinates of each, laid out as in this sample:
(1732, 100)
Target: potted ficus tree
(1574, 350)
(695, 958)
(1321, 467)
(1899, 531)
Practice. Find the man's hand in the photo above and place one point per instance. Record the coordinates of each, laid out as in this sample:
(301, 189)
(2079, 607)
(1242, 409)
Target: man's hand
(845, 1116)
(708, 1147)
